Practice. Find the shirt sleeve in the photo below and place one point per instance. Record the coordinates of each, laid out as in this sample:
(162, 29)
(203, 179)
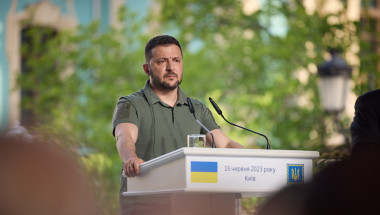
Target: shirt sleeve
(208, 120)
(124, 112)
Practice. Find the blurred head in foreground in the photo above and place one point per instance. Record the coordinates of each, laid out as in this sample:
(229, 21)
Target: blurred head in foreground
(37, 177)
(346, 187)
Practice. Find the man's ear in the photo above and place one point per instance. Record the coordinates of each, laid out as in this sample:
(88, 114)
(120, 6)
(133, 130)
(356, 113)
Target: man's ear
(146, 69)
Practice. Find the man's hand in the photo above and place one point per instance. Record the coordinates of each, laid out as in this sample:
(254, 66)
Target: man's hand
(221, 140)
(131, 167)
(126, 136)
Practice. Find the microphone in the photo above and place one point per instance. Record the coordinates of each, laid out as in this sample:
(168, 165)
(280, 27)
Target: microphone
(191, 107)
(219, 111)
(192, 110)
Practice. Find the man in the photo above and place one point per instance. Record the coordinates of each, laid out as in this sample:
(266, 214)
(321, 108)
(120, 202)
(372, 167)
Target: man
(365, 128)
(156, 120)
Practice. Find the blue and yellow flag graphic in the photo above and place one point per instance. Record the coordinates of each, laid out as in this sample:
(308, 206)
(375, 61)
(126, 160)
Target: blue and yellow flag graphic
(204, 172)
(295, 173)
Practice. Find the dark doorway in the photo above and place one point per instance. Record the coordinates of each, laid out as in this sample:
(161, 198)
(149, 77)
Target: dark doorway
(33, 44)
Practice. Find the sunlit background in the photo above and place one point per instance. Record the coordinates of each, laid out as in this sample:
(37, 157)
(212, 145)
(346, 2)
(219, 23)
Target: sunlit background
(65, 63)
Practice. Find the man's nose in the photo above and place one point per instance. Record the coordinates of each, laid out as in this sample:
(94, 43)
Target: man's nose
(169, 65)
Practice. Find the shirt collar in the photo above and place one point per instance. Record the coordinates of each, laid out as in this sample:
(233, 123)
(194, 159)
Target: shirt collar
(153, 98)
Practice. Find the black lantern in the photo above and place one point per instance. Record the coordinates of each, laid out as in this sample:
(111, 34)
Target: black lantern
(333, 84)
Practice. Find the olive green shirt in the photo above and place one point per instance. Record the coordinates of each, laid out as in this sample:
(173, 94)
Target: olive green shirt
(161, 127)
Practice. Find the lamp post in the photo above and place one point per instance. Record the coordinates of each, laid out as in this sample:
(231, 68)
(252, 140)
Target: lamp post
(334, 76)
(333, 85)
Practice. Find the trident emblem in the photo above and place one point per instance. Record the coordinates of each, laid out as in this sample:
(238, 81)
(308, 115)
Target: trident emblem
(295, 174)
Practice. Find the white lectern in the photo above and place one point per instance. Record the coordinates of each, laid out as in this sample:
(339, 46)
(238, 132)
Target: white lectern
(213, 180)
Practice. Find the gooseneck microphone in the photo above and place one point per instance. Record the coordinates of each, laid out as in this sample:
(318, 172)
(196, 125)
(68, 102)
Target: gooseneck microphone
(219, 111)
(192, 110)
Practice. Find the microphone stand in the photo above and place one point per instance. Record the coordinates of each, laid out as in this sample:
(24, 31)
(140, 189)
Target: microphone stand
(192, 110)
(219, 111)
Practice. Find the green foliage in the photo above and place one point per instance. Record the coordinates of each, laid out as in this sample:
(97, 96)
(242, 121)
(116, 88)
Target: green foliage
(264, 80)
(369, 76)
(80, 76)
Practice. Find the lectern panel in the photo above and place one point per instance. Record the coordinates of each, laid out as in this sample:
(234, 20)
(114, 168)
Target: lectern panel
(249, 172)
(247, 175)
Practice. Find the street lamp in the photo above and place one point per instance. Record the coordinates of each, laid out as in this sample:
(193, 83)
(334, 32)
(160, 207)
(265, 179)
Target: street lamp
(334, 77)
(333, 83)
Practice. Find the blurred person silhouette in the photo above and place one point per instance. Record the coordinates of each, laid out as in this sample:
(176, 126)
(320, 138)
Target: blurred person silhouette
(346, 187)
(40, 178)
(365, 128)
(289, 200)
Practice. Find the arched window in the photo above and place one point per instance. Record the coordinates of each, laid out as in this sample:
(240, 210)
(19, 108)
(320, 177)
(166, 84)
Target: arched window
(43, 16)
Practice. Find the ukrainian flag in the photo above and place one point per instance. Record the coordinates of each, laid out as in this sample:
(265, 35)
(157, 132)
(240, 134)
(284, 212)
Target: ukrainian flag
(204, 172)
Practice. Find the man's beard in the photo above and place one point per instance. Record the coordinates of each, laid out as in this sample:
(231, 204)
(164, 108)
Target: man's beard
(162, 85)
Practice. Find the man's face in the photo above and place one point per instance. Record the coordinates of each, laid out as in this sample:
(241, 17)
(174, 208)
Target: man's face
(165, 67)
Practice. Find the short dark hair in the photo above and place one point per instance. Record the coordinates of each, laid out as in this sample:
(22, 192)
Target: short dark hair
(162, 40)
